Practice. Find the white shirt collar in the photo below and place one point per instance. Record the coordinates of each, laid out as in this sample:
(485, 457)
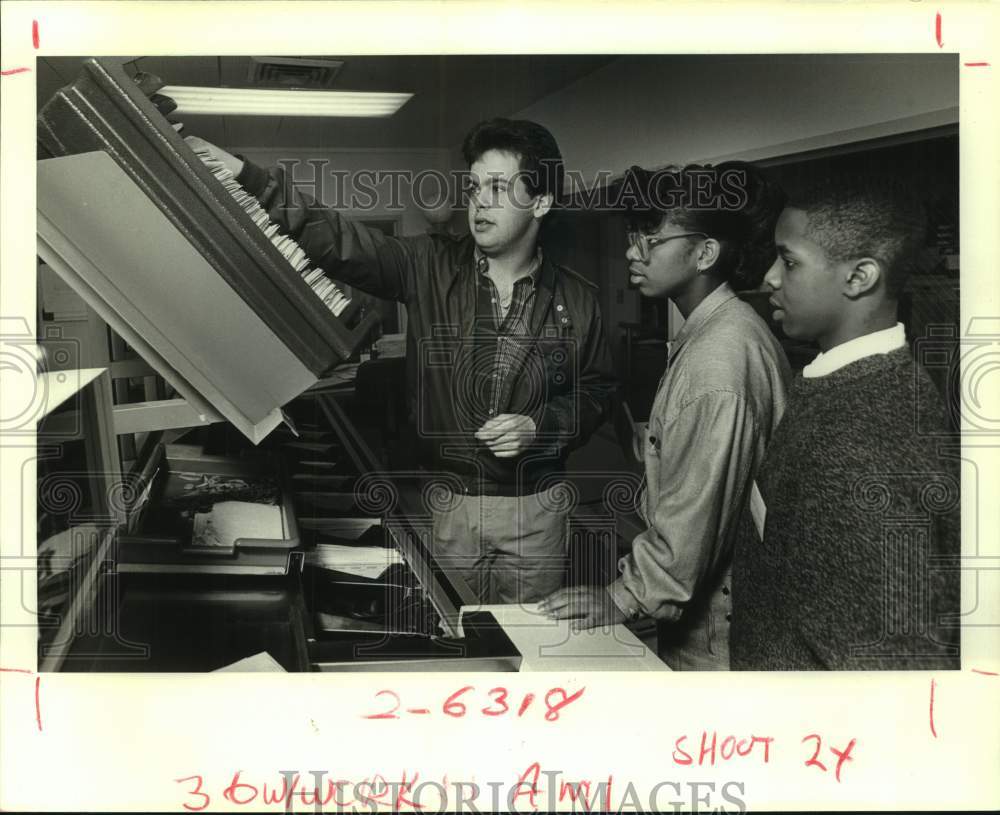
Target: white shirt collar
(878, 342)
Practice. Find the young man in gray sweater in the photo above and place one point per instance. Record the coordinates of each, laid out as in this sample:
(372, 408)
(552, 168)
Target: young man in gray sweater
(849, 561)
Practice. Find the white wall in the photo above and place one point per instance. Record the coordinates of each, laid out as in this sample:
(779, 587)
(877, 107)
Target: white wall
(653, 111)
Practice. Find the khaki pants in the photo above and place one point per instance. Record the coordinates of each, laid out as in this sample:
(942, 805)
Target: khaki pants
(508, 549)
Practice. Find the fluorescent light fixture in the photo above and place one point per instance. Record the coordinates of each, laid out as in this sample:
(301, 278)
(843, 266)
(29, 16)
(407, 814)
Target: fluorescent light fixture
(253, 102)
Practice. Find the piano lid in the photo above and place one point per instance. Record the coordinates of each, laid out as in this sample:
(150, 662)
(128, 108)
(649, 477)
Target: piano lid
(100, 232)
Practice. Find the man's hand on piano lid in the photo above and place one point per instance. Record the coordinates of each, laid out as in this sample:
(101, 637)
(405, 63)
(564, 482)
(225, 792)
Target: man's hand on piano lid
(508, 434)
(233, 164)
(587, 606)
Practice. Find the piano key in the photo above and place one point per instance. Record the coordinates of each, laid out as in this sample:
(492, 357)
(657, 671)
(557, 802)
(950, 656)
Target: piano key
(324, 288)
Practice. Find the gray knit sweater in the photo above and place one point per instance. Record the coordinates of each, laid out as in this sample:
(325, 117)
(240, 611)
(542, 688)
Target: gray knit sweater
(859, 558)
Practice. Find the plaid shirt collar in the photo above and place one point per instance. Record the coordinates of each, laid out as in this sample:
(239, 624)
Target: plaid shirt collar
(534, 269)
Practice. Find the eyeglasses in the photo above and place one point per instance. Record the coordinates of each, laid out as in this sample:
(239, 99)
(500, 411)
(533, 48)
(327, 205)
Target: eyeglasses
(642, 242)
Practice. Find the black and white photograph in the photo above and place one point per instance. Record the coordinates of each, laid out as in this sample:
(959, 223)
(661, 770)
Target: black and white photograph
(499, 407)
(428, 363)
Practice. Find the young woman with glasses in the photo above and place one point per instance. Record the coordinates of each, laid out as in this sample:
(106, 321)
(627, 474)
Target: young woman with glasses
(697, 235)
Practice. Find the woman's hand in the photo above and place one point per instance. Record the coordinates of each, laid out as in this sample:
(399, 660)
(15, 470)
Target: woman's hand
(587, 606)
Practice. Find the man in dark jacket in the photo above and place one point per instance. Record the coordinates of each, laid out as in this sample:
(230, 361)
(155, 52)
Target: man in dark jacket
(507, 364)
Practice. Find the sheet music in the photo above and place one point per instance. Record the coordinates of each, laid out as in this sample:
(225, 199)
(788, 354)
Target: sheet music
(258, 663)
(549, 645)
(362, 561)
(230, 521)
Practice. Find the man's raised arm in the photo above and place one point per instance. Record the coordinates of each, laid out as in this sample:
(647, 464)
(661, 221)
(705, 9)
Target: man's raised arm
(347, 251)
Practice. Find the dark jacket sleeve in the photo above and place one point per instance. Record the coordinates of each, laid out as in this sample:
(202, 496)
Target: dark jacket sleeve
(570, 419)
(347, 251)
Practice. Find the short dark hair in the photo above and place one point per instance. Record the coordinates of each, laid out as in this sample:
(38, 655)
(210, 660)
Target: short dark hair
(853, 217)
(731, 202)
(539, 158)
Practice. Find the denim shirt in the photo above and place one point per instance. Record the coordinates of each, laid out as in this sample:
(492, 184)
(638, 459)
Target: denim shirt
(714, 412)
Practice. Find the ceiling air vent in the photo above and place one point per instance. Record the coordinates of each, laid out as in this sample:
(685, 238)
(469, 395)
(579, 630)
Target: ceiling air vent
(293, 72)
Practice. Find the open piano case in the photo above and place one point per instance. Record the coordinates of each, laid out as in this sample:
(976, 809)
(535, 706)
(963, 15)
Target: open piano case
(187, 269)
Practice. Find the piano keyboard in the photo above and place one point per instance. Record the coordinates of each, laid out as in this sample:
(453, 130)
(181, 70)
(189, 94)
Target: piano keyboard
(324, 288)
